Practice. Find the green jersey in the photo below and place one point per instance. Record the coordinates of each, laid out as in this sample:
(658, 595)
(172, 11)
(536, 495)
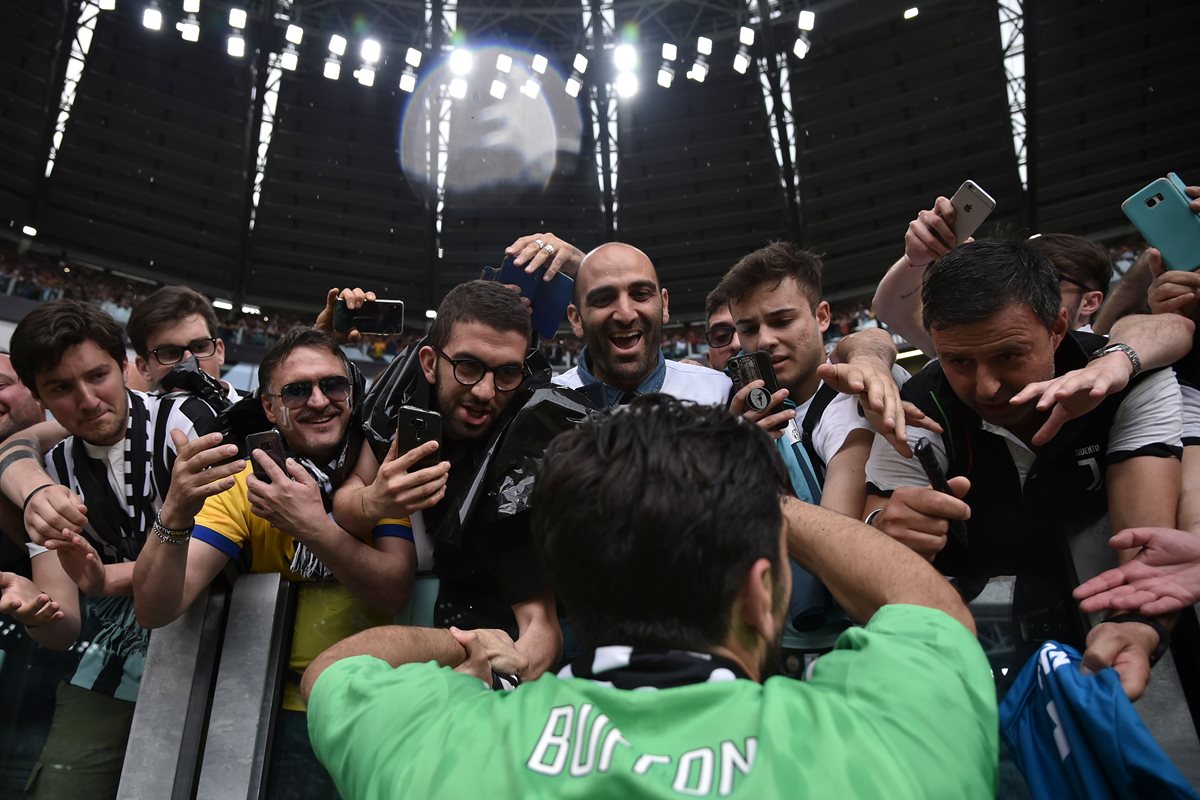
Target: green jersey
(904, 707)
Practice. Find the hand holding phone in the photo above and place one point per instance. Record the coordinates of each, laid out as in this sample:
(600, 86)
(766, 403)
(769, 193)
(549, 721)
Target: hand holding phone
(414, 427)
(972, 205)
(271, 443)
(937, 480)
(378, 317)
(1162, 211)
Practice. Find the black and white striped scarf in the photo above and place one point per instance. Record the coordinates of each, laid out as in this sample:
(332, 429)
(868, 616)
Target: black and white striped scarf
(626, 667)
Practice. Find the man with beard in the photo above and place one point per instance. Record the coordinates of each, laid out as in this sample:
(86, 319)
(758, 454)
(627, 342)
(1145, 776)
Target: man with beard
(283, 525)
(672, 694)
(619, 311)
(18, 410)
(470, 369)
(993, 312)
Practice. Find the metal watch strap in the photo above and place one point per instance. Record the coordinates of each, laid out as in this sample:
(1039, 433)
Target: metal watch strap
(1121, 347)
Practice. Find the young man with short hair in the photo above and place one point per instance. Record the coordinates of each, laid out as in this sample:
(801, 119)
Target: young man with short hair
(172, 324)
(112, 475)
(672, 694)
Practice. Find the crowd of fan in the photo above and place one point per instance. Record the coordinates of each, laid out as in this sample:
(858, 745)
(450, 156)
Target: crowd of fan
(701, 533)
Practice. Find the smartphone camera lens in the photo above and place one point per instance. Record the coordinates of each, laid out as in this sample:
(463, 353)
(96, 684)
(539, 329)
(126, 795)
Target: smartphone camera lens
(418, 423)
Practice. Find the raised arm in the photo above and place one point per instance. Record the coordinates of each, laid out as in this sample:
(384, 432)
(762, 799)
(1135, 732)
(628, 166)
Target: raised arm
(864, 569)
(388, 491)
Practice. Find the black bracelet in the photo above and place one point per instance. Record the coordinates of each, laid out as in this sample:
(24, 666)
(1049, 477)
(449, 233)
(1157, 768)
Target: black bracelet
(1164, 636)
(28, 497)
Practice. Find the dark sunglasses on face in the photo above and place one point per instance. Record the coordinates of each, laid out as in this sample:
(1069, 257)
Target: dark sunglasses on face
(294, 395)
(170, 354)
(720, 335)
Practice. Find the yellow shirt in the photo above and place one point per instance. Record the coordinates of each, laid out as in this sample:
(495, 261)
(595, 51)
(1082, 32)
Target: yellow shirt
(326, 612)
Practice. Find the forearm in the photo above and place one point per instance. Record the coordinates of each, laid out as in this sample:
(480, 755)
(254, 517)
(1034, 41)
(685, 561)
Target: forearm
(395, 644)
(1127, 297)
(22, 470)
(159, 577)
(1159, 340)
(118, 581)
(350, 507)
(1189, 496)
(382, 579)
(873, 343)
(897, 303)
(539, 637)
(863, 568)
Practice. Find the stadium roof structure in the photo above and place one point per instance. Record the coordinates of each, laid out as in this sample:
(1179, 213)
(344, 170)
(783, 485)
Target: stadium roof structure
(269, 168)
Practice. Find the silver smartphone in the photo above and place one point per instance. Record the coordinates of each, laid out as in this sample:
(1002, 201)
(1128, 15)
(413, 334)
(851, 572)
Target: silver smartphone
(972, 205)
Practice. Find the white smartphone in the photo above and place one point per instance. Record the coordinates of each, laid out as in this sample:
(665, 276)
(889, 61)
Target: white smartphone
(972, 205)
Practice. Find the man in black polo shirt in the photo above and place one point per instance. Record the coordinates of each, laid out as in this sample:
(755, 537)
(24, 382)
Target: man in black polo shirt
(993, 311)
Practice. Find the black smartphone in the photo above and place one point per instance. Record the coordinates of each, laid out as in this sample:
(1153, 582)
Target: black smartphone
(380, 317)
(271, 443)
(937, 479)
(414, 427)
(749, 367)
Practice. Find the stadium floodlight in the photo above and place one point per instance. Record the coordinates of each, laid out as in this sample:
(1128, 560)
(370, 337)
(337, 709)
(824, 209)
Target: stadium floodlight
(461, 61)
(806, 21)
(698, 72)
(504, 63)
(704, 46)
(531, 89)
(911, 12)
(665, 76)
(191, 6)
(365, 75)
(29, 230)
(627, 84)
(337, 45)
(540, 63)
(741, 62)
(413, 57)
(802, 47)
(670, 51)
(222, 305)
(625, 58)
(408, 81)
(108, 5)
(189, 29)
(430, 314)
(371, 50)
(249, 309)
(237, 18)
(581, 63)
(746, 36)
(152, 18)
(236, 46)
(498, 89)
(294, 34)
(333, 68)
(289, 59)
(573, 86)
(458, 88)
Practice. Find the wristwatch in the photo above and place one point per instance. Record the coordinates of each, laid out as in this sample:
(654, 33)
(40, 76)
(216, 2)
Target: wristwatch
(1120, 347)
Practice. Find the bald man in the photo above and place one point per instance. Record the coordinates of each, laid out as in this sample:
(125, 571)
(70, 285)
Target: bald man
(619, 311)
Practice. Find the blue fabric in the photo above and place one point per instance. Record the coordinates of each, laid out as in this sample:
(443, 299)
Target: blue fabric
(209, 536)
(1076, 735)
(613, 395)
(393, 529)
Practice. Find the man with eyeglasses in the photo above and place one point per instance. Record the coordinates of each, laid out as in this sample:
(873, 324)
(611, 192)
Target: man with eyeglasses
(474, 509)
(173, 324)
(111, 476)
(283, 525)
(722, 337)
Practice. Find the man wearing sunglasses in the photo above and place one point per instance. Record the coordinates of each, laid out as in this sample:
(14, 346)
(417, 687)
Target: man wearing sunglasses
(282, 524)
(722, 337)
(469, 369)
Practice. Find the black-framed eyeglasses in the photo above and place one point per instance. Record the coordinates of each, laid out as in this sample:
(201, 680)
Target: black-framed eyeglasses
(470, 371)
(720, 335)
(294, 395)
(170, 354)
(1079, 284)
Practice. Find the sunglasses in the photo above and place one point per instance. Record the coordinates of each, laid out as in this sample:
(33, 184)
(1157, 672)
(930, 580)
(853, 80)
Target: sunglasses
(719, 335)
(294, 395)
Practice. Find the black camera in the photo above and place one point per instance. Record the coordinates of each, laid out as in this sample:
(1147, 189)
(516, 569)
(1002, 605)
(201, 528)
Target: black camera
(187, 377)
(749, 367)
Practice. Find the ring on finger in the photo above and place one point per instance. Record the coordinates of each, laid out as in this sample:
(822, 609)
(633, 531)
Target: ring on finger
(549, 249)
(540, 244)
